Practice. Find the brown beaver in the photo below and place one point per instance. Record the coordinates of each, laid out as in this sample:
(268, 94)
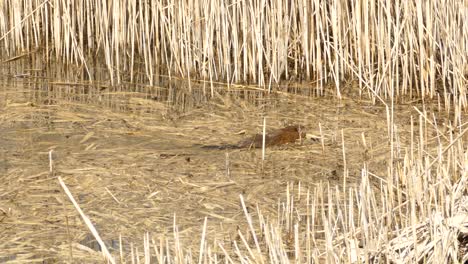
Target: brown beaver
(278, 137)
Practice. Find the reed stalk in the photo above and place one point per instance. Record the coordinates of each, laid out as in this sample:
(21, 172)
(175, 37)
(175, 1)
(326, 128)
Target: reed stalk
(394, 50)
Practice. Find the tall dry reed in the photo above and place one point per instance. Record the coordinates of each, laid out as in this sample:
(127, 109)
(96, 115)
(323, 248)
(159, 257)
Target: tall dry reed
(393, 49)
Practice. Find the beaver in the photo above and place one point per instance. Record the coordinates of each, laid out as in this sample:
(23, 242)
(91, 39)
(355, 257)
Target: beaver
(278, 137)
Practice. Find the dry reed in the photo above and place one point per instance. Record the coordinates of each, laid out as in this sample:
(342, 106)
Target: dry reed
(397, 49)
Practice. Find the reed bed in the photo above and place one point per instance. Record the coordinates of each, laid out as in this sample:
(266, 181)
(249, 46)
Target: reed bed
(393, 49)
(355, 194)
(101, 161)
(328, 229)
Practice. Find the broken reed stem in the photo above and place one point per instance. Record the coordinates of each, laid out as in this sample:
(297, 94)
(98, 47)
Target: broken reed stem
(87, 221)
(203, 241)
(345, 167)
(263, 139)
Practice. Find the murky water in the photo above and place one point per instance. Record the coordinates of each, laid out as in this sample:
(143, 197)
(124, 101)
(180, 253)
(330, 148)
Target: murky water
(131, 155)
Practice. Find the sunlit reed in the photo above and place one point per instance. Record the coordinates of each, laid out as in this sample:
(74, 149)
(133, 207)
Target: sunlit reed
(392, 49)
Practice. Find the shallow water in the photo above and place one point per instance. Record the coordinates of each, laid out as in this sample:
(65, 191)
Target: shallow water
(132, 157)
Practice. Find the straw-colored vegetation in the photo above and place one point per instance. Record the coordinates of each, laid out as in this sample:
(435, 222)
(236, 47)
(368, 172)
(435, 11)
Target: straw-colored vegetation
(120, 164)
(393, 48)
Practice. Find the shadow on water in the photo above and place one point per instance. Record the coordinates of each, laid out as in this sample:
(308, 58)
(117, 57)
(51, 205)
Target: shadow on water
(48, 84)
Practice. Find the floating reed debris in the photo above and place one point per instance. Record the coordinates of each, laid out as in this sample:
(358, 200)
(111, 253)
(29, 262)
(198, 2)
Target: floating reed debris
(352, 198)
(393, 48)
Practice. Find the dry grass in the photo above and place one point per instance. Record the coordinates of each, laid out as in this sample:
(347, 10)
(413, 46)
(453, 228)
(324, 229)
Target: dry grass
(153, 195)
(114, 171)
(398, 49)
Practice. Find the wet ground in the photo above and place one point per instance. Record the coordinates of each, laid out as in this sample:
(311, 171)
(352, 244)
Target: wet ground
(132, 157)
